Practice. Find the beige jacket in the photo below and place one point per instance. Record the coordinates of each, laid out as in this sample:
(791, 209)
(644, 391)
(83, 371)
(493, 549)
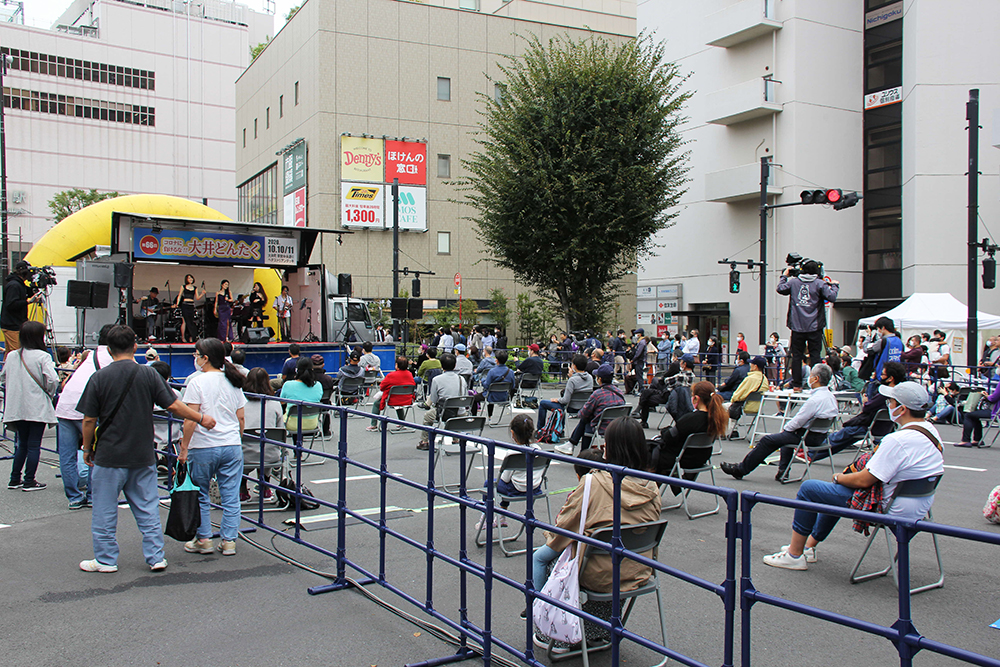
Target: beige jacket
(754, 381)
(640, 504)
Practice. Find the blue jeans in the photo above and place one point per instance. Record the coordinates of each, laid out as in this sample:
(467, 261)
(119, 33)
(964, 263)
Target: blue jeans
(226, 465)
(842, 439)
(28, 451)
(139, 485)
(826, 493)
(543, 407)
(69, 434)
(540, 560)
(944, 414)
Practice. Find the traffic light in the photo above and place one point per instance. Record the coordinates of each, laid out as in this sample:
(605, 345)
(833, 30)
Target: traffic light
(734, 282)
(415, 287)
(847, 201)
(833, 196)
(989, 273)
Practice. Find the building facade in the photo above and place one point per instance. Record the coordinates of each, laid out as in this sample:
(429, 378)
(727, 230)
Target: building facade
(867, 96)
(367, 71)
(134, 97)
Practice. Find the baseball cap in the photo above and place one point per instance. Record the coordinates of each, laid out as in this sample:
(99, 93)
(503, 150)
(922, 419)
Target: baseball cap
(318, 360)
(641, 332)
(152, 354)
(355, 356)
(759, 361)
(909, 394)
(460, 347)
(21, 266)
(534, 347)
(688, 359)
(605, 372)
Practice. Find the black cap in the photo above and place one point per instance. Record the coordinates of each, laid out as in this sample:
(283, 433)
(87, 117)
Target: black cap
(21, 266)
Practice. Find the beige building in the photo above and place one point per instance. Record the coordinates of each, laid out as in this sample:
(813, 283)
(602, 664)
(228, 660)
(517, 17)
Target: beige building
(394, 69)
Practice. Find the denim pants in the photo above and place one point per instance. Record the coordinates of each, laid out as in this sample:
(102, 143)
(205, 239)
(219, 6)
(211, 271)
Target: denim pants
(139, 486)
(842, 439)
(826, 493)
(543, 407)
(28, 451)
(226, 465)
(540, 560)
(69, 434)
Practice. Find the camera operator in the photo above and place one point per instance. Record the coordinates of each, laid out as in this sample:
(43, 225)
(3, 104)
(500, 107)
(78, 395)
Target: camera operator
(16, 297)
(806, 313)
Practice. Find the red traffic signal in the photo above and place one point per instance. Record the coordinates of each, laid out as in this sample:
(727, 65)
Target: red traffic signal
(833, 196)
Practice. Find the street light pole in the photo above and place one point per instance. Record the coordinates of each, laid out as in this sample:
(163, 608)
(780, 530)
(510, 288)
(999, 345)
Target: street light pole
(972, 322)
(764, 176)
(5, 258)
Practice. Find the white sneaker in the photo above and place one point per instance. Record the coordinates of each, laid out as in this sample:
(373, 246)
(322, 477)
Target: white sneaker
(94, 566)
(565, 448)
(159, 566)
(785, 560)
(808, 552)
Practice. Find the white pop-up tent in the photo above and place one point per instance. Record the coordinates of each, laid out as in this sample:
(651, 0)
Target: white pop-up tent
(925, 312)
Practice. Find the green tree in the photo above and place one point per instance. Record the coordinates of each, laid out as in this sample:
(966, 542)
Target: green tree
(291, 13)
(579, 162)
(259, 49)
(499, 308)
(66, 203)
(534, 317)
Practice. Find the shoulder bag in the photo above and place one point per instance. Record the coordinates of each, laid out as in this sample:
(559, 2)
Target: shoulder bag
(563, 584)
(104, 423)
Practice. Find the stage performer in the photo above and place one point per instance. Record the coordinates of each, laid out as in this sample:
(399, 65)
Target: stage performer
(283, 306)
(257, 300)
(223, 309)
(185, 300)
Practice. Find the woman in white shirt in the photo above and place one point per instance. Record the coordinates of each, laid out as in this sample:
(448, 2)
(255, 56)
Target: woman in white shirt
(218, 453)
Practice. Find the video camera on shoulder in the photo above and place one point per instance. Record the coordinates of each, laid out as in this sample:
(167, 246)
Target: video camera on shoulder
(796, 262)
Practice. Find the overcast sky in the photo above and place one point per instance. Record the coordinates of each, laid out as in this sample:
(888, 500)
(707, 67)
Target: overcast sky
(43, 13)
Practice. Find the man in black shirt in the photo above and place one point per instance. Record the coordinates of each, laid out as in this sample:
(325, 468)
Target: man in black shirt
(16, 297)
(532, 366)
(120, 396)
(738, 375)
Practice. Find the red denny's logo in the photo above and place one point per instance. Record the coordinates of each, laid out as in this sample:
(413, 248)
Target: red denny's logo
(362, 159)
(149, 244)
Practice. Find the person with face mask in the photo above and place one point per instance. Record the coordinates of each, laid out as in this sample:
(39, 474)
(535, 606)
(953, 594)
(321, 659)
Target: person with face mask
(912, 452)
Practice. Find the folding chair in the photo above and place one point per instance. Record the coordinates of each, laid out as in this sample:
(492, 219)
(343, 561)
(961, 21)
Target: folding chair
(608, 415)
(371, 382)
(694, 442)
(349, 393)
(666, 413)
(754, 397)
(430, 375)
(637, 538)
(522, 392)
(401, 390)
(913, 488)
(881, 424)
(517, 462)
(274, 456)
(312, 428)
(580, 399)
(499, 388)
(453, 447)
(817, 426)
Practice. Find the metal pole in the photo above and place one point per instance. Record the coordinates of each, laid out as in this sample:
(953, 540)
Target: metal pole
(395, 251)
(764, 172)
(5, 259)
(972, 324)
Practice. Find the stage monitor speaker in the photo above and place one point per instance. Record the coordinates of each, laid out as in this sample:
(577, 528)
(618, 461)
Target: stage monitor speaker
(344, 284)
(258, 334)
(99, 295)
(415, 309)
(398, 310)
(123, 275)
(78, 293)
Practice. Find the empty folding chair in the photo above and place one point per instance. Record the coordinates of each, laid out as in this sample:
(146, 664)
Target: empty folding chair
(516, 461)
(694, 442)
(527, 387)
(449, 446)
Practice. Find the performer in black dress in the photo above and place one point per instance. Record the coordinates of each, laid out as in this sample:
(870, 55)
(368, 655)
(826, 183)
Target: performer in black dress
(185, 300)
(258, 299)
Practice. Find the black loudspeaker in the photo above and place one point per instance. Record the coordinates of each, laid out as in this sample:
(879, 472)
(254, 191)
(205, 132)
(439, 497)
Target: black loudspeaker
(258, 335)
(344, 284)
(123, 275)
(415, 310)
(78, 293)
(99, 295)
(398, 310)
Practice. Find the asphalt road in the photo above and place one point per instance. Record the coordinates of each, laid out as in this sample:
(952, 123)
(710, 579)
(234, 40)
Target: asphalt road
(253, 609)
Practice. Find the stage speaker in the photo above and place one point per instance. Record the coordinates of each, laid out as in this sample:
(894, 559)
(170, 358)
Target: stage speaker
(398, 309)
(258, 334)
(78, 293)
(344, 284)
(415, 309)
(99, 295)
(123, 275)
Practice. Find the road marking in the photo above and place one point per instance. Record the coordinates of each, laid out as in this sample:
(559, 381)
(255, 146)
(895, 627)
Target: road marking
(334, 515)
(964, 468)
(334, 480)
(4, 525)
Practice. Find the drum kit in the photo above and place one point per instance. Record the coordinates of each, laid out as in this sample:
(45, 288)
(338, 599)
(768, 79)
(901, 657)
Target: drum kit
(163, 323)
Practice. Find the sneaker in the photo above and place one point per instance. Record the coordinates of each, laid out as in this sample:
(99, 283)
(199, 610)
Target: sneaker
(79, 505)
(781, 474)
(808, 552)
(94, 566)
(372, 428)
(731, 469)
(244, 496)
(735, 435)
(541, 641)
(159, 566)
(33, 486)
(227, 547)
(423, 446)
(197, 546)
(268, 495)
(786, 561)
(14, 485)
(566, 448)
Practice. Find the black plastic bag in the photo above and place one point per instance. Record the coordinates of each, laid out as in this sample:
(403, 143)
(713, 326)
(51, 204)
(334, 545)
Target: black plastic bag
(185, 512)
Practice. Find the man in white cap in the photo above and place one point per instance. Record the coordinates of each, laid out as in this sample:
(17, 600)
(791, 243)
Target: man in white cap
(912, 452)
(463, 365)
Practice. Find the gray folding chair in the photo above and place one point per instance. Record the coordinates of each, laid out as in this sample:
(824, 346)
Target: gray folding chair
(401, 390)
(518, 462)
(351, 394)
(500, 388)
(453, 446)
(534, 381)
(608, 415)
(274, 455)
(637, 538)
(913, 488)
(580, 399)
(817, 426)
(694, 442)
(880, 427)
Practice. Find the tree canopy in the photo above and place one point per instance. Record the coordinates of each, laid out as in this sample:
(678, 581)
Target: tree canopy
(580, 159)
(66, 203)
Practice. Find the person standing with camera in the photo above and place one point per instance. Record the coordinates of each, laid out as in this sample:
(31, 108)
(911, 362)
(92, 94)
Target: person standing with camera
(808, 294)
(16, 297)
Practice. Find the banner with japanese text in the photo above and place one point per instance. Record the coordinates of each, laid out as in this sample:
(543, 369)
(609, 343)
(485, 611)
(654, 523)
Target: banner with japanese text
(362, 205)
(214, 247)
(407, 161)
(412, 208)
(293, 167)
(361, 159)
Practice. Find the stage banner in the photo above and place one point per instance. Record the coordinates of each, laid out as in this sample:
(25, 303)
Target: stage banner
(407, 161)
(361, 159)
(172, 245)
(362, 205)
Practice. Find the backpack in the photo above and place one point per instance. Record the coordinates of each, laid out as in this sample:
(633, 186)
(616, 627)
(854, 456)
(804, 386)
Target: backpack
(286, 500)
(554, 428)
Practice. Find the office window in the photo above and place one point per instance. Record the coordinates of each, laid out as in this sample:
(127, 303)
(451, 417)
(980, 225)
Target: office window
(444, 166)
(281, 106)
(257, 198)
(78, 107)
(498, 92)
(244, 137)
(267, 118)
(444, 89)
(296, 93)
(444, 243)
(254, 128)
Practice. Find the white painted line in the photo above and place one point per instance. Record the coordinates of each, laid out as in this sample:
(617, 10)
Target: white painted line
(334, 480)
(334, 515)
(4, 525)
(964, 468)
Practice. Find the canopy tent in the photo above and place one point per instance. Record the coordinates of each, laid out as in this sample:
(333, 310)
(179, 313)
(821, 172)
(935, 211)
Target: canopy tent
(925, 312)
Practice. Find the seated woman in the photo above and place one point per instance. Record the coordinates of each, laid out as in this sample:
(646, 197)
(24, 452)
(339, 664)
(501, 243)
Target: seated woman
(624, 445)
(708, 417)
(303, 388)
(258, 383)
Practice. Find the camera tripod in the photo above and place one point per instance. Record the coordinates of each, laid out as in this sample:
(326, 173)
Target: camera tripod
(309, 337)
(50, 332)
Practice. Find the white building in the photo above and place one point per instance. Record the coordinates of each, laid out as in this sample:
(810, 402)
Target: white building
(137, 97)
(791, 80)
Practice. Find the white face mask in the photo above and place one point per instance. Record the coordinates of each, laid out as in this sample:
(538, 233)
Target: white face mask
(894, 416)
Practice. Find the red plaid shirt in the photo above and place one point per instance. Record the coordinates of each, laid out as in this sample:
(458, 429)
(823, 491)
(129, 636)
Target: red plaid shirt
(605, 396)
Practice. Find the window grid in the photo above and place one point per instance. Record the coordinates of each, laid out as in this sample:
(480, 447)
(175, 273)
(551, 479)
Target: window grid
(77, 107)
(257, 198)
(84, 70)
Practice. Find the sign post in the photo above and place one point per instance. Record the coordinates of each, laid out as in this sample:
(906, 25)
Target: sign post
(458, 291)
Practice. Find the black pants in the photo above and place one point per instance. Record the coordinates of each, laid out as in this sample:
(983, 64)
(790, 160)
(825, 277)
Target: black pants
(648, 399)
(771, 443)
(799, 340)
(190, 332)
